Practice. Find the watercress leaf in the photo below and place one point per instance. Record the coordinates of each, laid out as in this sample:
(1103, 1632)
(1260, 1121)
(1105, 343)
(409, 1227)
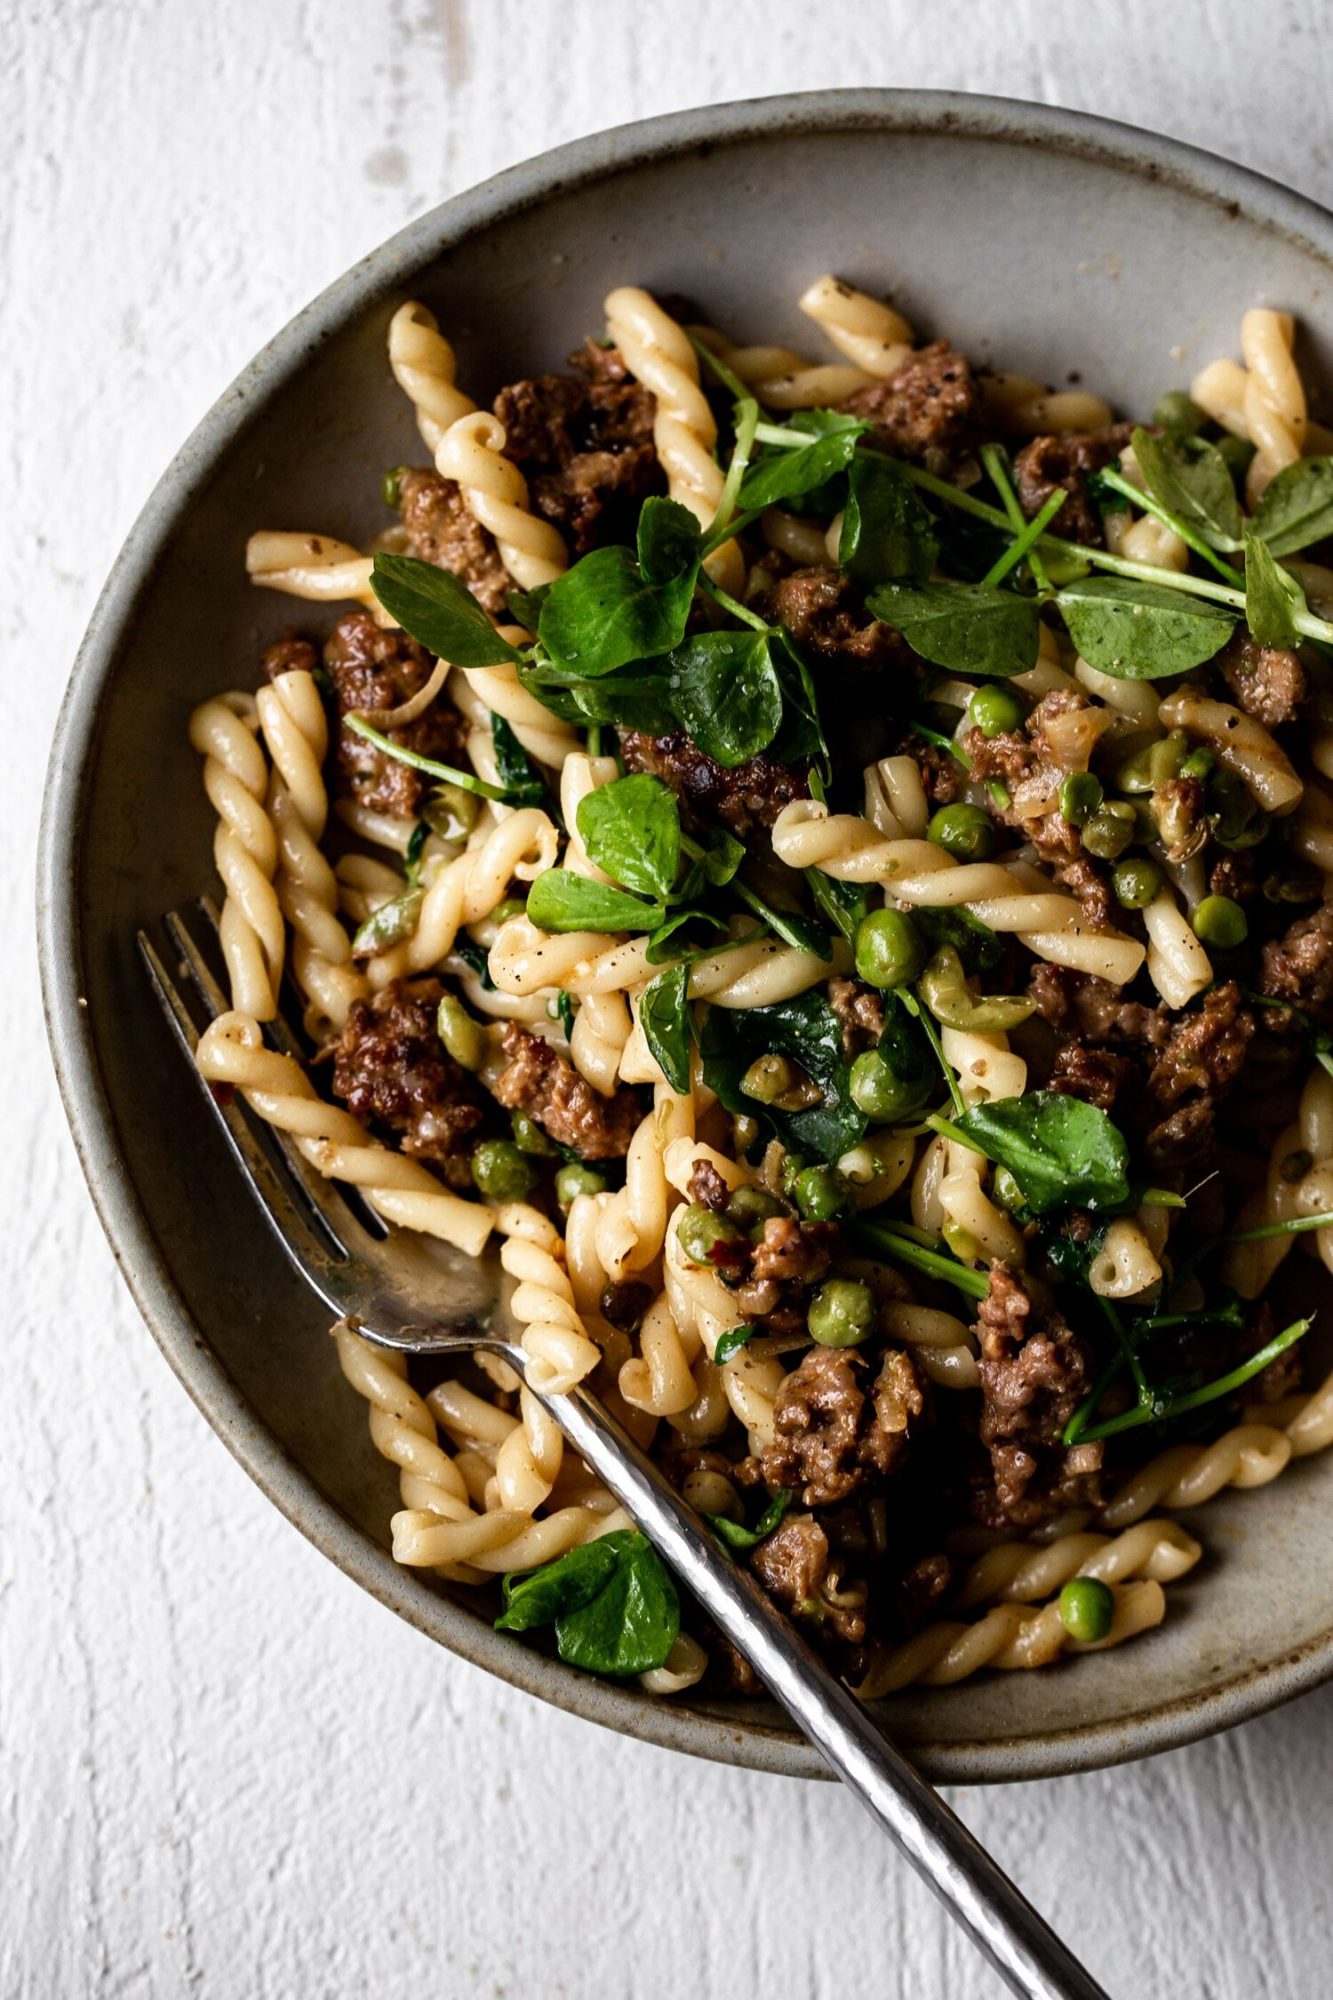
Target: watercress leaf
(735, 1533)
(559, 901)
(1296, 507)
(517, 772)
(886, 532)
(540, 1596)
(802, 933)
(726, 694)
(604, 613)
(790, 471)
(630, 1626)
(1272, 596)
(1062, 1152)
(843, 903)
(806, 1029)
(801, 737)
(631, 829)
(633, 698)
(1189, 477)
(439, 612)
(906, 1048)
(1142, 631)
(721, 858)
(564, 1004)
(668, 540)
(731, 1342)
(525, 606)
(666, 941)
(665, 1019)
(973, 628)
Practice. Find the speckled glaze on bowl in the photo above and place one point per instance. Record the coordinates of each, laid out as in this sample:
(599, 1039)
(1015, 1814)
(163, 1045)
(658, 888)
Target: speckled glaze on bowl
(1047, 240)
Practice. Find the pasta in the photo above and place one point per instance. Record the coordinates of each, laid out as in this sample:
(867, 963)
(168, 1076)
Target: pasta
(833, 982)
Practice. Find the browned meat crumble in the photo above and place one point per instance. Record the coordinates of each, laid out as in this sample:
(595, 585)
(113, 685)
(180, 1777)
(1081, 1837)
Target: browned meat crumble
(391, 1070)
(372, 668)
(545, 1084)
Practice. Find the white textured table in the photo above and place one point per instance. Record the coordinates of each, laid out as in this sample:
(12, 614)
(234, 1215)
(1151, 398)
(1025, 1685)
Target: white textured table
(225, 1770)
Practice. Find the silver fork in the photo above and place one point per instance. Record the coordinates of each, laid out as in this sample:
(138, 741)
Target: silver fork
(379, 1281)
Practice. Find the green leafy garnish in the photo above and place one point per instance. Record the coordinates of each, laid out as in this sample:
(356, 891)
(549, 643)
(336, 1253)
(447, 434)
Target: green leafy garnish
(969, 627)
(903, 1244)
(1189, 477)
(518, 774)
(806, 1029)
(560, 901)
(845, 904)
(467, 781)
(668, 540)
(1062, 1152)
(887, 535)
(1272, 596)
(439, 612)
(735, 1533)
(631, 829)
(731, 1342)
(1157, 1407)
(815, 445)
(1141, 631)
(1296, 508)
(605, 612)
(613, 1606)
(725, 691)
(664, 1016)
(803, 933)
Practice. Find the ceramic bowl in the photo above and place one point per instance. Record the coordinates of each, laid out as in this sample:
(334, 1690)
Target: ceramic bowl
(1047, 241)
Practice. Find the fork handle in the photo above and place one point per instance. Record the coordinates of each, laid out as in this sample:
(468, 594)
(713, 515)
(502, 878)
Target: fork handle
(998, 1918)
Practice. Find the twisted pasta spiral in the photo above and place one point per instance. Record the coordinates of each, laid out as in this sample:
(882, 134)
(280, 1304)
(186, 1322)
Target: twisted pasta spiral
(245, 849)
(315, 567)
(867, 331)
(472, 452)
(295, 730)
(231, 1050)
(1263, 401)
(658, 353)
(1009, 1637)
(424, 367)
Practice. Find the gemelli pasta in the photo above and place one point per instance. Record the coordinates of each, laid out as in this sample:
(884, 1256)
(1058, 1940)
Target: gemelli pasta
(819, 861)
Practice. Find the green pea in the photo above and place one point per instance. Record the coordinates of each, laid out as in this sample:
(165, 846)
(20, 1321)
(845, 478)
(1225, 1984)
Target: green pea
(1220, 922)
(745, 1132)
(529, 1137)
(1087, 1608)
(890, 950)
(1080, 796)
(1178, 413)
(995, 710)
(1166, 760)
(772, 1079)
(1136, 882)
(1299, 885)
(842, 1313)
(700, 1230)
(882, 1094)
(391, 486)
(1237, 453)
(1238, 820)
(512, 906)
(1109, 831)
(463, 1038)
(1199, 763)
(576, 1179)
(1007, 1192)
(821, 1194)
(966, 832)
(501, 1172)
(451, 812)
(751, 1207)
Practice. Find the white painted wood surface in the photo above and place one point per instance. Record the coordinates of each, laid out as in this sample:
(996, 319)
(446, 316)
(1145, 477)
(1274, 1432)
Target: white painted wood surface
(225, 1770)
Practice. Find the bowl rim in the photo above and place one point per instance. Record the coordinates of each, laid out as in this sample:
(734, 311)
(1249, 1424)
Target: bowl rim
(744, 1741)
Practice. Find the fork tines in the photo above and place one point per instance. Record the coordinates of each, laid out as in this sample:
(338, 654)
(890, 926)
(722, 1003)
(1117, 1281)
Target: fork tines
(293, 1194)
